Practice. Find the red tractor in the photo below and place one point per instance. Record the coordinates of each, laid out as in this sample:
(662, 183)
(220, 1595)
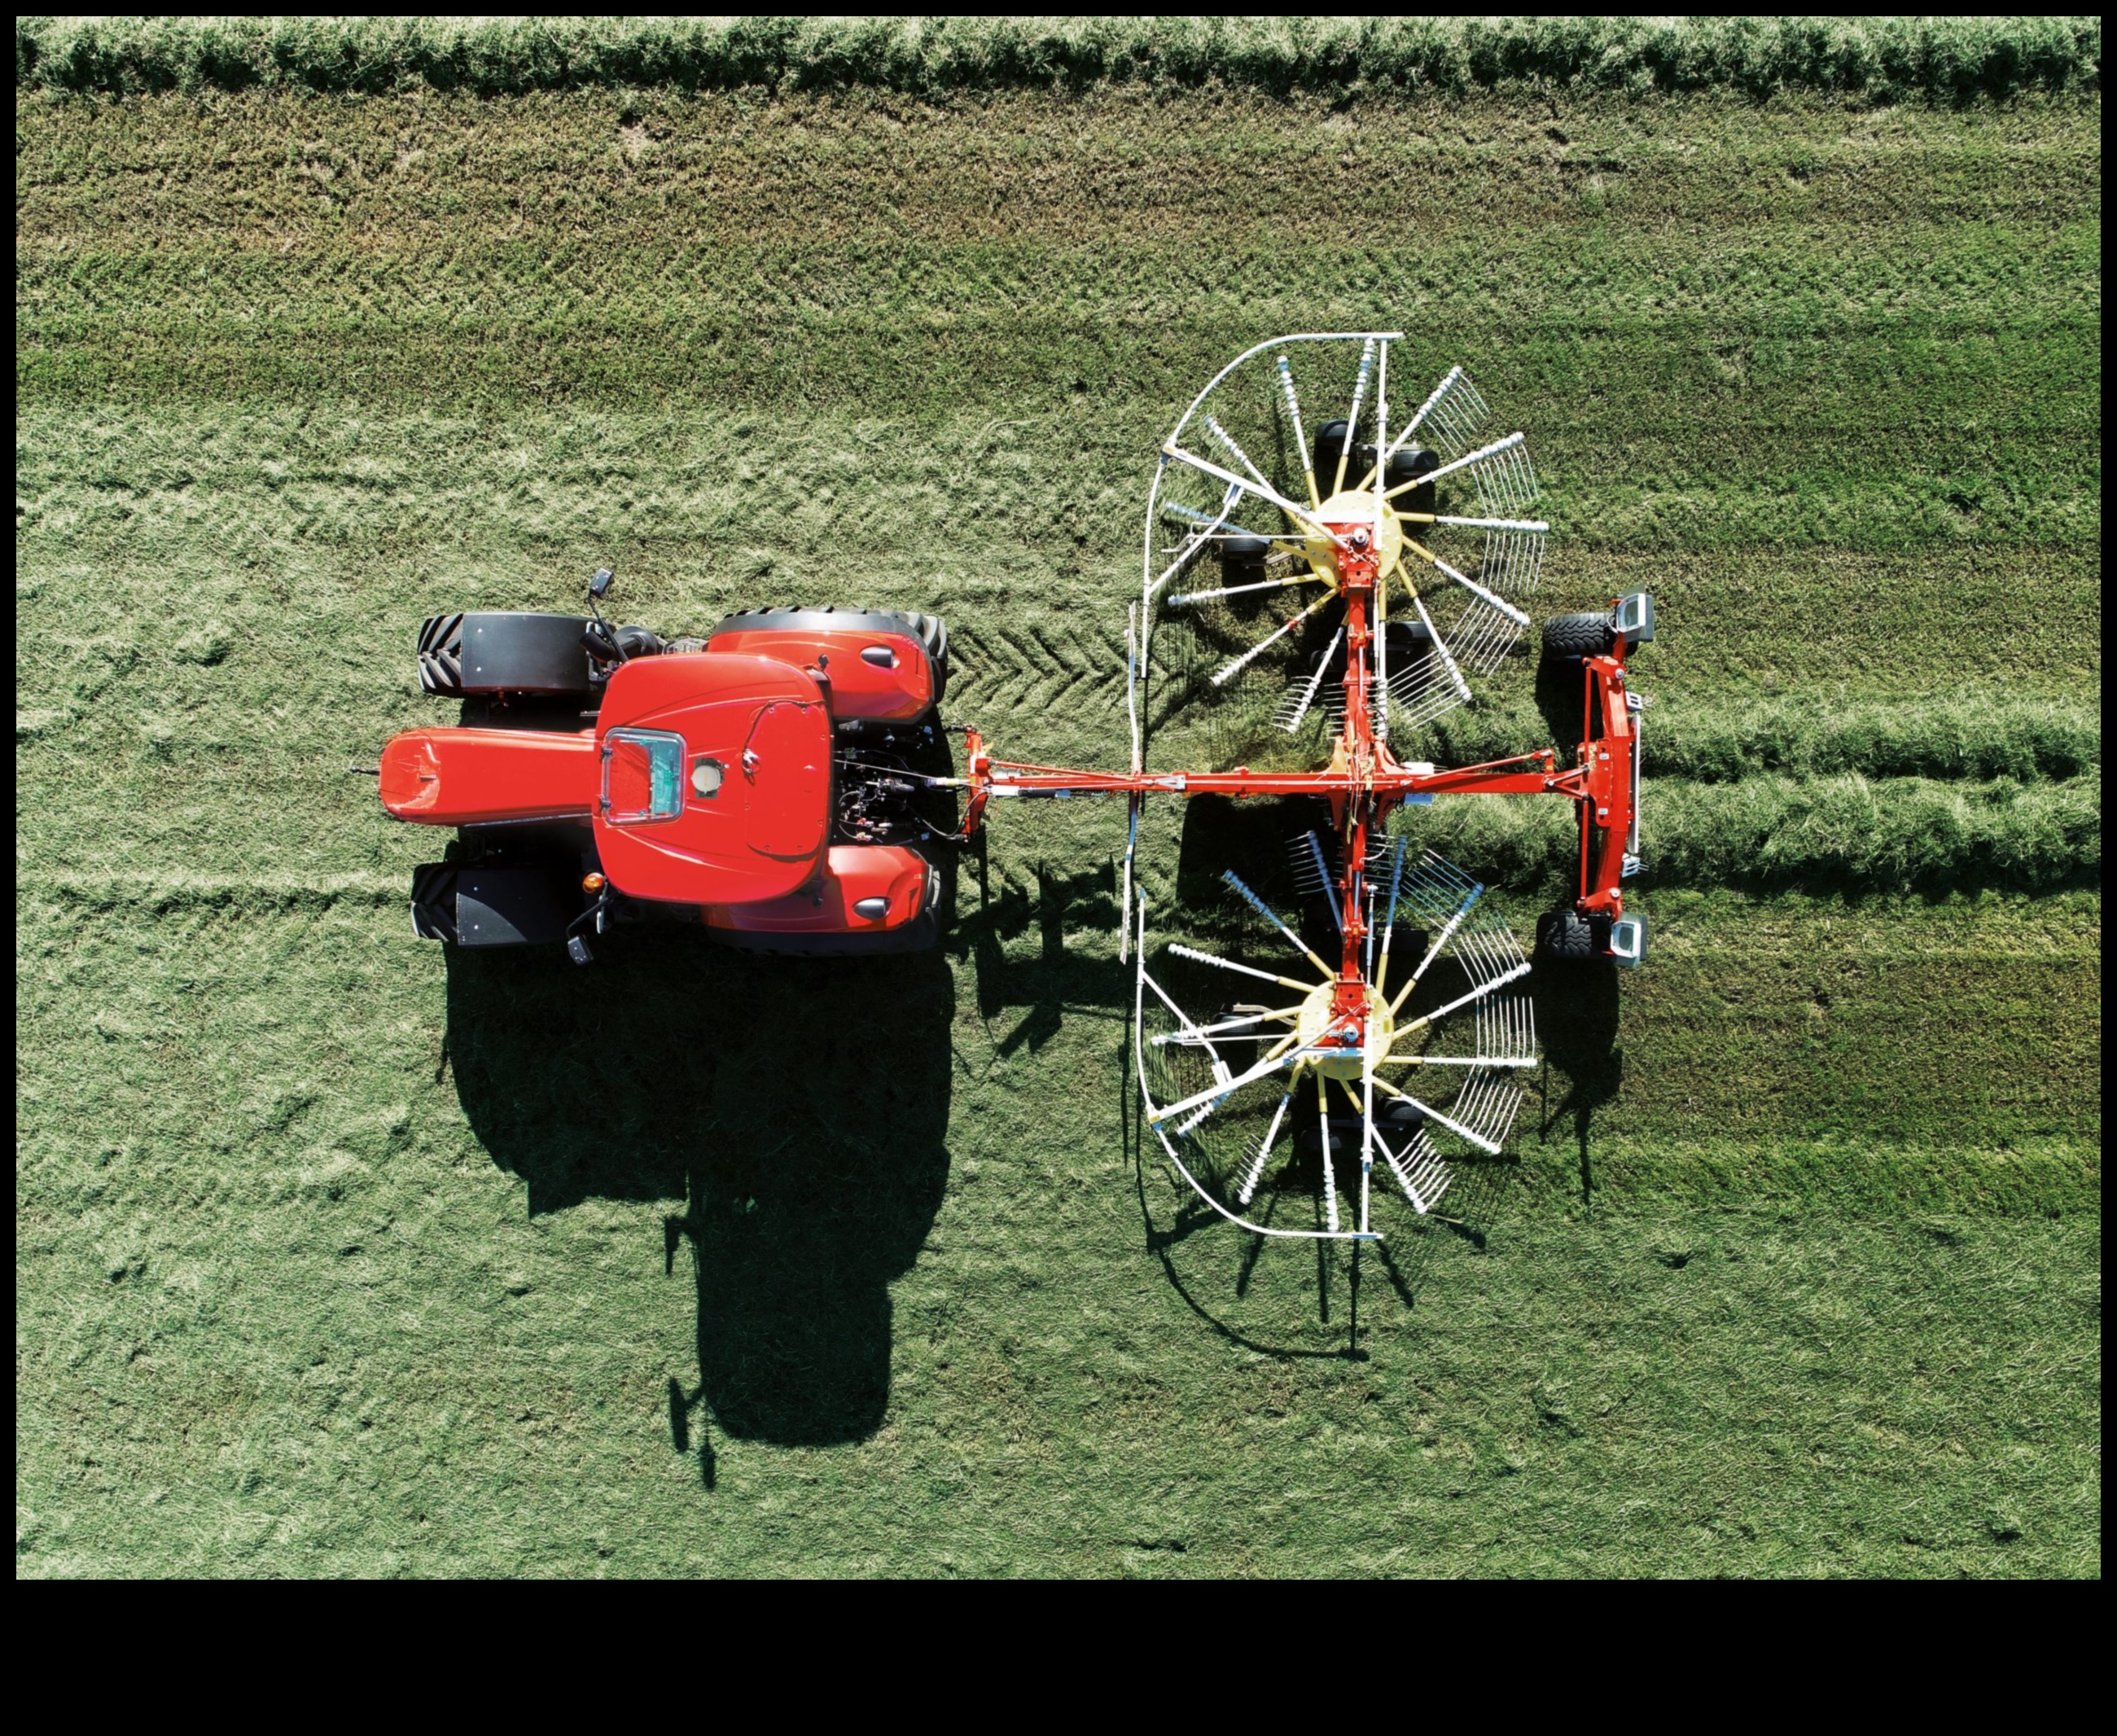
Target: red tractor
(758, 778)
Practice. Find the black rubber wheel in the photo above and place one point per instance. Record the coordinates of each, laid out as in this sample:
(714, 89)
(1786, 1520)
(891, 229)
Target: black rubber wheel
(503, 652)
(1578, 635)
(1565, 934)
(441, 656)
(933, 633)
(638, 641)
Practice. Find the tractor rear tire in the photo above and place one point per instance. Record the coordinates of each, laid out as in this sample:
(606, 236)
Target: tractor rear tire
(1579, 635)
(1565, 936)
(933, 633)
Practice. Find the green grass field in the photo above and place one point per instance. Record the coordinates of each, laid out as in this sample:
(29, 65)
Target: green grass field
(336, 1255)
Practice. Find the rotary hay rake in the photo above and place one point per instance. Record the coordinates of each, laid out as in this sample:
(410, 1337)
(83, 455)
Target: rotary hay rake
(1390, 1020)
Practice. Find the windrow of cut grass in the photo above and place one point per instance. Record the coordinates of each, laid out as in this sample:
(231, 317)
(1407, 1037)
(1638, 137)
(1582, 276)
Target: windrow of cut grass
(1987, 736)
(1949, 60)
(1844, 832)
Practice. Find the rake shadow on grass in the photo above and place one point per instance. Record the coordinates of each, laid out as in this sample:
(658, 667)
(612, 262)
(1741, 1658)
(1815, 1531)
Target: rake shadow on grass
(1576, 1017)
(799, 1107)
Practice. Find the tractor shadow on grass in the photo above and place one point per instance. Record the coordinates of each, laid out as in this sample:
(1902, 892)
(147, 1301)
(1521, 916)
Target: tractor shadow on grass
(799, 1107)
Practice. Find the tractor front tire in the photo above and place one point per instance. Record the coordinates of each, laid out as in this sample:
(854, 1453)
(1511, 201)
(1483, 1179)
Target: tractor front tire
(503, 652)
(1579, 635)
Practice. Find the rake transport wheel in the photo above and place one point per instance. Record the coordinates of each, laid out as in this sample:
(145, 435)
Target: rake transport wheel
(1301, 432)
(1579, 635)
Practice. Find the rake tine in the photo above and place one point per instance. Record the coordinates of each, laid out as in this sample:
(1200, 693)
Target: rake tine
(1265, 911)
(1291, 723)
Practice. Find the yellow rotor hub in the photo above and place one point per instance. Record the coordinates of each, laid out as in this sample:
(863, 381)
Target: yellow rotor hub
(1315, 1019)
(1354, 509)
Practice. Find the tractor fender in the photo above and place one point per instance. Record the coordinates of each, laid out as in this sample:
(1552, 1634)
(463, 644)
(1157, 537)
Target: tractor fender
(863, 889)
(877, 664)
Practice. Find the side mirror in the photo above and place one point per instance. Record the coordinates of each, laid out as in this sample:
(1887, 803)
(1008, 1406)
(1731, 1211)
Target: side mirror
(599, 586)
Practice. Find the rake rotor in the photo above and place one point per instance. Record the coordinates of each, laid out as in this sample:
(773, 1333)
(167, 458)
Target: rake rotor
(1256, 1085)
(1250, 482)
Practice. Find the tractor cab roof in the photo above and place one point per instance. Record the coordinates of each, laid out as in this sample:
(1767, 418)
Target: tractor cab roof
(715, 778)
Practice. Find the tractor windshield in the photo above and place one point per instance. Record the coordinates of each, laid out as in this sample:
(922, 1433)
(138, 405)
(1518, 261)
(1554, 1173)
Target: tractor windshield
(642, 775)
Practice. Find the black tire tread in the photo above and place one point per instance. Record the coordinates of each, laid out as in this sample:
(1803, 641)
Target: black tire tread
(1578, 635)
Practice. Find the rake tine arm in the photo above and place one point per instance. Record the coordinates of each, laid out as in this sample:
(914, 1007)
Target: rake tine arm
(1424, 410)
(1533, 527)
(1230, 964)
(1238, 590)
(1198, 538)
(1218, 1091)
(1255, 1174)
(1329, 1177)
(1433, 1115)
(1353, 420)
(1468, 459)
(1456, 1060)
(1227, 1025)
(1433, 950)
(1299, 515)
(1262, 645)
(1265, 911)
(1440, 645)
(1389, 925)
(1300, 439)
(1471, 585)
(1475, 996)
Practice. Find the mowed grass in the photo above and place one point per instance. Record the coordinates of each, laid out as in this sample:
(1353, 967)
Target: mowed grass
(336, 1255)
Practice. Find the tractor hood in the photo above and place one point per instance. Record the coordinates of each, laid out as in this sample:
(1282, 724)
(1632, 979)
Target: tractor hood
(714, 779)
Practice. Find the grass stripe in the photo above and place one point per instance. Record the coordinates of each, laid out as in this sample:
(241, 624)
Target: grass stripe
(1941, 59)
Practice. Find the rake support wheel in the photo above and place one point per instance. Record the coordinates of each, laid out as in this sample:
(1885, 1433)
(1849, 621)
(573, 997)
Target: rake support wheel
(1579, 635)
